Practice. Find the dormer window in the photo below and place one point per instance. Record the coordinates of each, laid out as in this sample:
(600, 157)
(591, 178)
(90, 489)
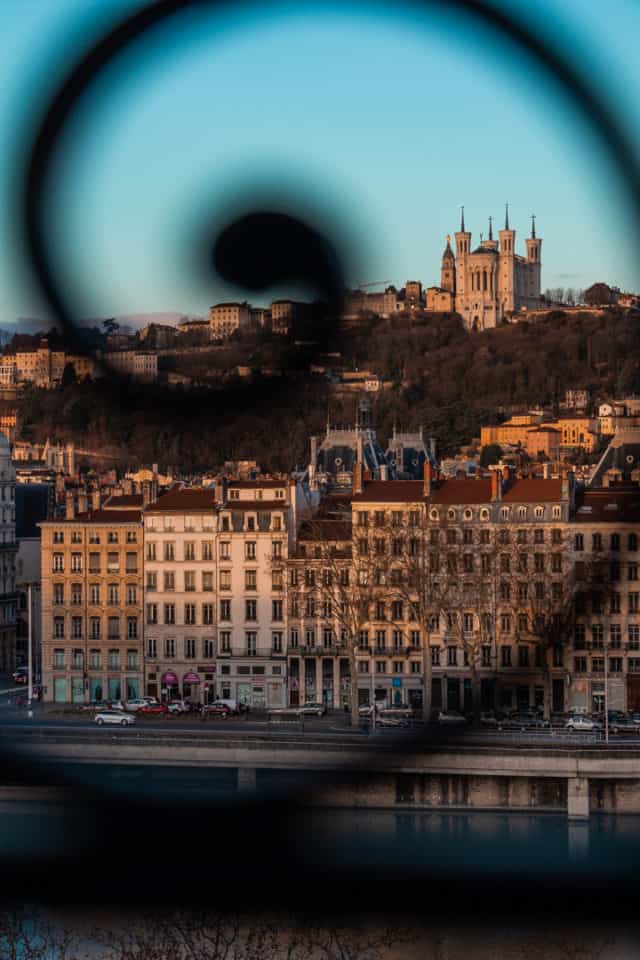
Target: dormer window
(522, 513)
(279, 494)
(468, 514)
(484, 514)
(556, 512)
(251, 523)
(225, 525)
(504, 513)
(451, 514)
(434, 515)
(538, 513)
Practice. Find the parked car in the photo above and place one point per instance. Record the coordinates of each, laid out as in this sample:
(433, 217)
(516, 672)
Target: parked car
(152, 709)
(232, 706)
(150, 699)
(580, 723)
(20, 675)
(114, 716)
(179, 706)
(367, 709)
(451, 717)
(623, 726)
(219, 709)
(115, 704)
(131, 706)
(312, 710)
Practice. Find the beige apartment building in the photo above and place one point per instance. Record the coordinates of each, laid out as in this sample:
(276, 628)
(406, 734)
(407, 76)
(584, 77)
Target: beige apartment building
(226, 318)
(256, 526)
(180, 594)
(141, 365)
(92, 602)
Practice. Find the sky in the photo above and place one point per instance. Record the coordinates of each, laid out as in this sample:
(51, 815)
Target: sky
(376, 121)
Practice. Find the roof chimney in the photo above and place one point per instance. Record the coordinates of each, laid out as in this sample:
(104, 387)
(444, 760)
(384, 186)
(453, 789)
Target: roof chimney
(357, 478)
(95, 500)
(384, 471)
(426, 479)
(545, 470)
(496, 486)
(83, 503)
(70, 507)
(146, 493)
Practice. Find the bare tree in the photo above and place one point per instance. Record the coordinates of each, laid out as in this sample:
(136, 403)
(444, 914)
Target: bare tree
(26, 934)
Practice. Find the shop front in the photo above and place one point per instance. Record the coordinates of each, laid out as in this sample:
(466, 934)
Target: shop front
(170, 686)
(191, 686)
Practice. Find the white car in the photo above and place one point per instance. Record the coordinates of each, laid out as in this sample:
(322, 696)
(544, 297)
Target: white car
(451, 717)
(581, 723)
(178, 706)
(114, 716)
(133, 705)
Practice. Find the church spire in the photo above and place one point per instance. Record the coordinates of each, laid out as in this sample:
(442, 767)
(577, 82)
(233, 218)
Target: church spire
(533, 226)
(462, 220)
(506, 216)
(490, 228)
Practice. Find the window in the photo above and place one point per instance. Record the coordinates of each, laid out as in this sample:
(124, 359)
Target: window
(190, 613)
(467, 622)
(467, 562)
(505, 623)
(634, 603)
(113, 563)
(580, 664)
(58, 563)
(132, 628)
(169, 647)
(616, 636)
(505, 591)
(151, 551)
(556, 563)
(76, 627)
(189, 550)
(597, 665)
(276, 549)
(58, 536)
(293, 639)
(189, 648)
(398, 639)
(615, 664)
(170, 613)
(250, 579)
(169, 580)
(632, 571)
(578, 542)
(633, 664)
(152, 580)
(169, 550)
(114, 659)
(397, 610)
(132, 594)
(58, 659)
(277, 580)
(113, 628)
(451, 536)
(276, 642)
(207, 649)
(632, 543)
(112, 536)
(486, 655)
(381, 666)
(452, 656)
(113, 593)
(131, 562)
(505, 656)
(521, 536)
(58, 593)
(95, 660)
(363, 666)
(152, 613)
(467, 535)
(538, 562)
(77, 660)
(505, 563)
(276, 610)
(250, 550)
(523, 656)
(435, 656)
(132, 536)
(189, 581)
(251, 643)
(225, 641)
(94, 628)
(58, 627)
(398, 666)
(634, 636)
(250, 610)
(396, 518)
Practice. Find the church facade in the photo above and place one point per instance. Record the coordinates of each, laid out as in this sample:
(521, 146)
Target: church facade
(489, 284)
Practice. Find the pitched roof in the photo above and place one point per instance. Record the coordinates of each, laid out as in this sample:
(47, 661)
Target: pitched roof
(184, 500)
(390, 491)
(462, 490)
(123, 502)
(533, 491)
(102, 516)
(608, 505)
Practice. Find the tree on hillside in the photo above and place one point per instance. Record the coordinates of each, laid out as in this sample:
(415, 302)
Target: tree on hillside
(110, 326)
(490, 453)
(69, 376)
(599, 294)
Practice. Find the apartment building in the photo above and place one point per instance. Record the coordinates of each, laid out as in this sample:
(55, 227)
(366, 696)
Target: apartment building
(256, 528)
(226, 318)
(91, 594)
(180, 594)
(8, 553)
(141, 365)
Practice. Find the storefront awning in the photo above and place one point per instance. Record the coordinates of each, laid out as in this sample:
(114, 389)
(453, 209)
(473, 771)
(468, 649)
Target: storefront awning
(191, 678)
(169, 678)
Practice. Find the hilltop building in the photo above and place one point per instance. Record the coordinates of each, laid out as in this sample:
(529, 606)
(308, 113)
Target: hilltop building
(491, 282)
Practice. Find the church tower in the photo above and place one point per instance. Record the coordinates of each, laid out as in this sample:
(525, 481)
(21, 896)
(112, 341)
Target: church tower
(506, 271)
(448, 269)
(463, 248)
(533, 245)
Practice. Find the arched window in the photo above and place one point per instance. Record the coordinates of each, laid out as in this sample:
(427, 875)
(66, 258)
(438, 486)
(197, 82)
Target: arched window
(484, 279)
(522, 513)
(433, 514)
(504, 513)
(484, 514)
(468, 514)
(451, 514)
(539, 512)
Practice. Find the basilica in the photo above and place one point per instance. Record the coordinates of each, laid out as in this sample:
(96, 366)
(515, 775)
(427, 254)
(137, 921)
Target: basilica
(491, 283)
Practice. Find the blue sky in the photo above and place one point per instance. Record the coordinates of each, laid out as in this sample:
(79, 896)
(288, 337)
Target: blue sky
(385, 122)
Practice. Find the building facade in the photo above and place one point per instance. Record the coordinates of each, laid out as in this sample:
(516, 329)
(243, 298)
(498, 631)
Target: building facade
(8, 553)
(226, 318)
(91, 597)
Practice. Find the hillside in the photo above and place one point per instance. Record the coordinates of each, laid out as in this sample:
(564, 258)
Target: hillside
(444, 378)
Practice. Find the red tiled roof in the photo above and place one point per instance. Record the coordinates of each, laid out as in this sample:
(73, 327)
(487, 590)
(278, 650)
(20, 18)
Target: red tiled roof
(390, 491)
(608, 506)
(533, 491)
(463, 490)
(184, 500)
(123, 502)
